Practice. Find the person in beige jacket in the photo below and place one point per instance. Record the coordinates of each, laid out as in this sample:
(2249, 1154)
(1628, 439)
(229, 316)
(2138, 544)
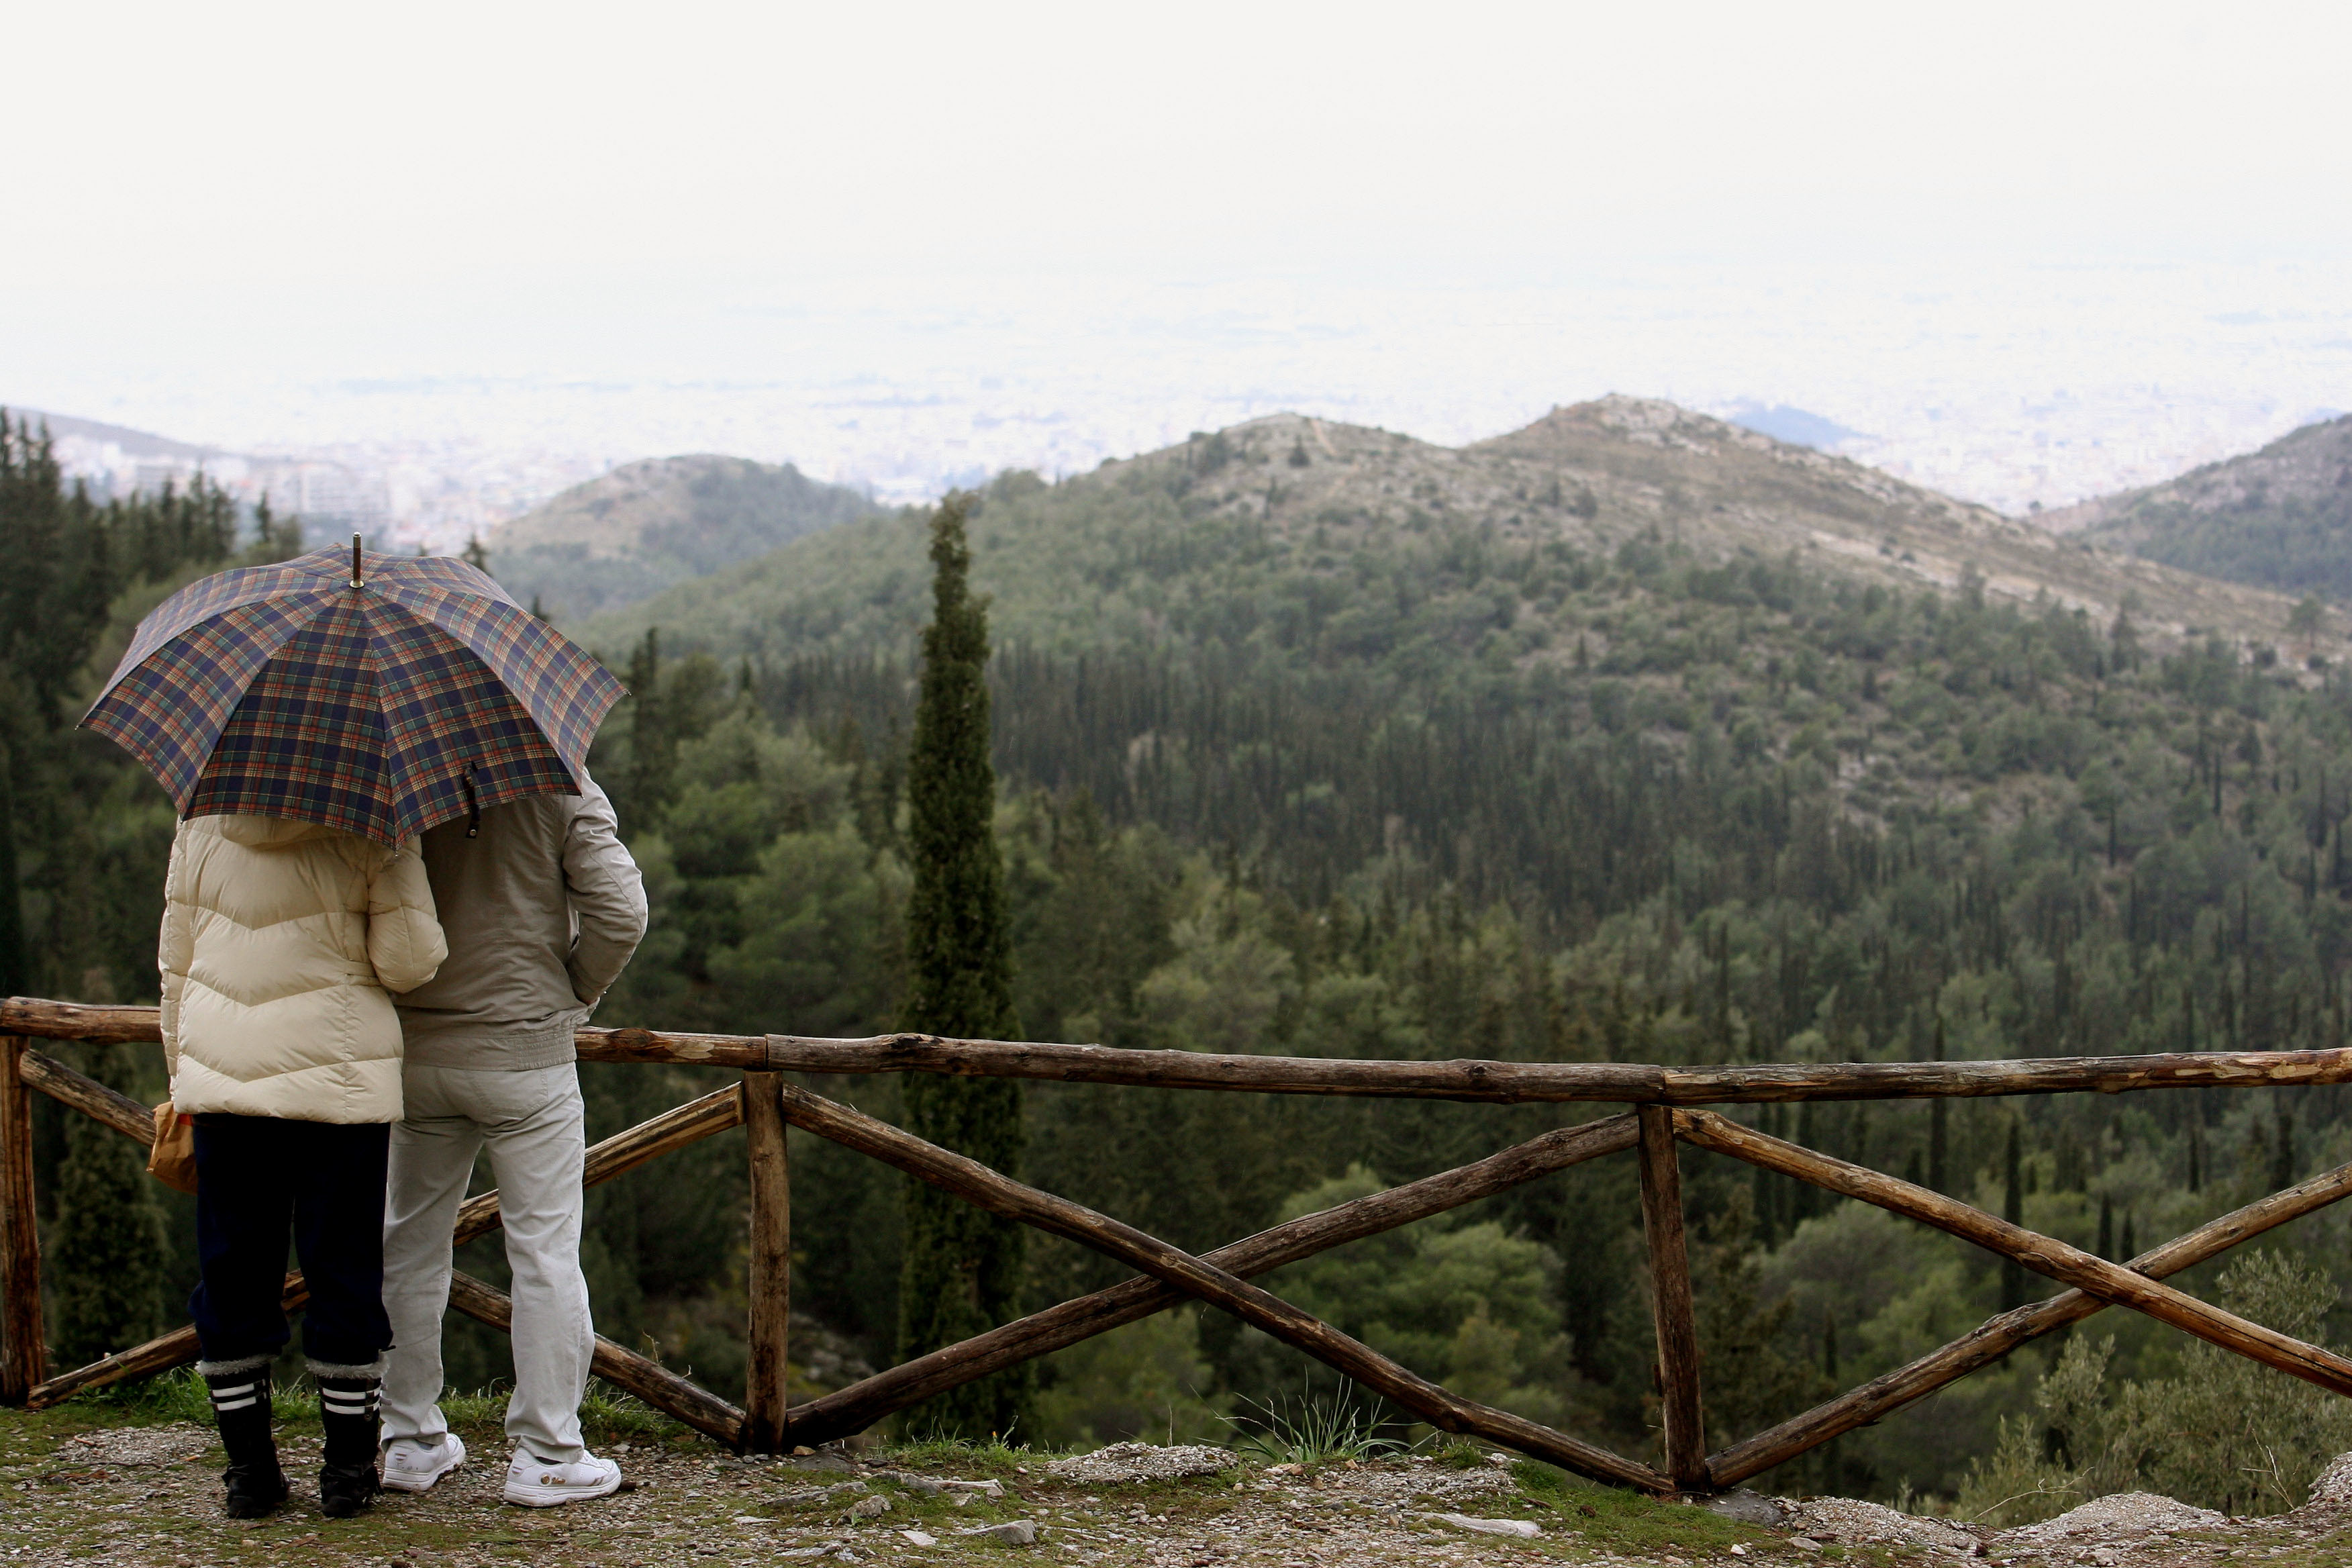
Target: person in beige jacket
(281, 942)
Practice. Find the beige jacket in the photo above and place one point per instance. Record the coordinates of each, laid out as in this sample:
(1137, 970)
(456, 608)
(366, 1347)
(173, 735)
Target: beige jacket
(543, 907)
(280, 940)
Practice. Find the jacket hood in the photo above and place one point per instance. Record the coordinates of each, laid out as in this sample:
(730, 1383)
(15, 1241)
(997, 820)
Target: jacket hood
(270, 832)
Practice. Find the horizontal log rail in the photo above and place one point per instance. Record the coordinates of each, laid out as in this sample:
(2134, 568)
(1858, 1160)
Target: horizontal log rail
(1482, 1083)
(1666, 1099)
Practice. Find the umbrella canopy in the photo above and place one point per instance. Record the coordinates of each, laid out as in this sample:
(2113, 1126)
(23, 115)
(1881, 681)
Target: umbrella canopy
(375, 694)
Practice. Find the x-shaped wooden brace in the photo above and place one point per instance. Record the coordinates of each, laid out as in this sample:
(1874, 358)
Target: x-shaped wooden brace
(1206, 1280)
(2096, 1283)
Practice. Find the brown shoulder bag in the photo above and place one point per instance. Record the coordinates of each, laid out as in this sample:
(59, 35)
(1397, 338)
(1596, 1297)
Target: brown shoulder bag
(173, 1158)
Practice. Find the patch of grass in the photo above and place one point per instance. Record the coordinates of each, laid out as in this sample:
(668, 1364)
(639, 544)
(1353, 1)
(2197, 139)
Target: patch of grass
(481, 1412)
(174, 1395)
(179, 1394)
(991, 1455)
(1460, 1454)
(1609, 1519)
(609, 1413)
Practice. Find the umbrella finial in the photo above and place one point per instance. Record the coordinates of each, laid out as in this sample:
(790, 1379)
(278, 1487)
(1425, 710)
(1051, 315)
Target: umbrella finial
(355, 558)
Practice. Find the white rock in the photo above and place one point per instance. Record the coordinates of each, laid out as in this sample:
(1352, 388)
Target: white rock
(1854, 1522)
(2335, 1483)
(1141, 1462)
(144, 1446)
(919, 1538)
(978, 1488)
(2124, 1512)
(1018, 1533)
(1526, 1529)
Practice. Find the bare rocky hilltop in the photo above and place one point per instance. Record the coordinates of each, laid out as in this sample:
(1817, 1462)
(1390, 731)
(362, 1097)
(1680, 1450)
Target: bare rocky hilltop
(632, 532)
(1599, 479)
(1619, 469)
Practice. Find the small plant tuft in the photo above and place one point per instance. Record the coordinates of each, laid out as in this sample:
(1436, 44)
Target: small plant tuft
(1458, 1453)
(1313, 1429)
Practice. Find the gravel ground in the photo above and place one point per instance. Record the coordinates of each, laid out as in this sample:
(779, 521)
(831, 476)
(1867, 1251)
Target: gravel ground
(2136, 1519)
(1846, 1521)
(148, 1497)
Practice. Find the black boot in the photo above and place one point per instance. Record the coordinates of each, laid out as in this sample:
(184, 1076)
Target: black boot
(240, 1390)
(347, 1408)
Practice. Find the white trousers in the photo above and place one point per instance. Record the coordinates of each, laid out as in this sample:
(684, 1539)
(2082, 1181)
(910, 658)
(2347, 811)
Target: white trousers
(534, 1127)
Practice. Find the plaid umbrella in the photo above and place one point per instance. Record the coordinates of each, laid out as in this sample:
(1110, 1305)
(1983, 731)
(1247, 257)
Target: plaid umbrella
(376, 694)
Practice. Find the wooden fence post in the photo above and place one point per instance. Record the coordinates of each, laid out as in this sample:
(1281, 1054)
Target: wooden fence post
(1670, 1293)
(769, 1277)
(24, 1356)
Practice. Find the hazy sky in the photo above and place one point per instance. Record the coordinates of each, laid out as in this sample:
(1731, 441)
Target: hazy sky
(224, 216)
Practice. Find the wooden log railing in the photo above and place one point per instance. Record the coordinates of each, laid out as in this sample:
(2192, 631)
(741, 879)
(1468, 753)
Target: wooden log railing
(1666, 1116)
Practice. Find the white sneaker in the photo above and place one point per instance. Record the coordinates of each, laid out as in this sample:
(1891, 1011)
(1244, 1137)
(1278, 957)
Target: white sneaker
(534, 1482)
(413, 1465)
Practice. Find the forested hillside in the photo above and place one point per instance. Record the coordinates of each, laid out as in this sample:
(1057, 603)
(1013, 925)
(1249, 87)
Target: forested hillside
(647, 526)
(84, 836)
(2280, 518)
(1445, 758)
(1626, 736)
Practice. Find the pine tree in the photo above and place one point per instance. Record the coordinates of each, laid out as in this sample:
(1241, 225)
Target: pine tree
(15, 957)
(105, 1256)
(962, 1268)
(653, 750)
(2013, 1209)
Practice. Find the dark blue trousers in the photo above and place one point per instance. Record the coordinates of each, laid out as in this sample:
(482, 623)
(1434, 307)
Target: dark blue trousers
(261, 1181)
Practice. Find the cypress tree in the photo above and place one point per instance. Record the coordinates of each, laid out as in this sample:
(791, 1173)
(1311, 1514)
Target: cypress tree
(105, 1257)
(964, 1268)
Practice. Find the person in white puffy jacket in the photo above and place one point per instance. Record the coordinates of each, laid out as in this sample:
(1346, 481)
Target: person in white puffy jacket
(281, 943)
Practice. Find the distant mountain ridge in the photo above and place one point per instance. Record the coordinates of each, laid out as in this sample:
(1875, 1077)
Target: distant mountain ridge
(1113, 557)
(136, 443)
(645, 526)
(2280, 518)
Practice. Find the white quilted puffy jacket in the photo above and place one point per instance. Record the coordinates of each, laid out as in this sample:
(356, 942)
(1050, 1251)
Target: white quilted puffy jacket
(281, 942)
